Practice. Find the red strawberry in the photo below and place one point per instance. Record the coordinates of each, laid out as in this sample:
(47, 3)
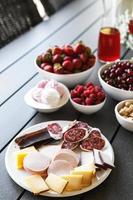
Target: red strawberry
(77, 63)
(86, 93)
(68, 58)
(39, 60)
(89, 84)
(56, 50)
(48, 68)
(91, 61)
(83, 57)
(57, 58)
(68, 49)
(79, 48)
(43, 65)
(97, 88)
(46, 57)
(67, 65)
(74, 93)
(77, 100)
(58, 68)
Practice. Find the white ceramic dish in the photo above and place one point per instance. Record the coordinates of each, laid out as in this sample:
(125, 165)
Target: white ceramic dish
(125, 123)
(87, 109)
(45, 108)
(70, 80)
(18, 175)
(115, 93)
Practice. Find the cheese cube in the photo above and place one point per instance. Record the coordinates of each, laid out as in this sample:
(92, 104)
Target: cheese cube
(36, 184)
(20, 155)
(74, 182)
(56, 183)
(87, 171)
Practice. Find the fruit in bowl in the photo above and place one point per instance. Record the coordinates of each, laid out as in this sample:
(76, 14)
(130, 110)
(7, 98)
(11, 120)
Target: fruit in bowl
(88, 98)
(117, 79)
(69, 64)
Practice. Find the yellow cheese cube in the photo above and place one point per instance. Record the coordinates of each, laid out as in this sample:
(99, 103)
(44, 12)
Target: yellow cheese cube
(90, 167)
(20, 155)
(74, 182)
(87, 176)
(36, 184)
(56, 183)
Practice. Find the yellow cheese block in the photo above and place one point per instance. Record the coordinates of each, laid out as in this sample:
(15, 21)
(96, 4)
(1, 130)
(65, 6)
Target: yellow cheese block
(56, 183)
(36, 184)
(87, 171)
(74, 182)
(20, 155)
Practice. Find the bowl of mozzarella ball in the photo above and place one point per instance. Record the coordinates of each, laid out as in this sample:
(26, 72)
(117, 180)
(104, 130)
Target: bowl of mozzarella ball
(47, 96)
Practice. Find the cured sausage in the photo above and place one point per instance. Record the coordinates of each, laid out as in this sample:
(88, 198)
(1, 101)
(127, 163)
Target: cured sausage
(36, 162)
(92, 143)
(60, 167)
(69, 145)
(94, 133)
(55, 131)
(80, 124)
(67, 155)
(75, 135)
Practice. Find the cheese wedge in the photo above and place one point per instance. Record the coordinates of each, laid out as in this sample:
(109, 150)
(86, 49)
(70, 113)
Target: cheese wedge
(20, 155)
(74, 182)
(56, 183)
(87, 171)
(36, 184)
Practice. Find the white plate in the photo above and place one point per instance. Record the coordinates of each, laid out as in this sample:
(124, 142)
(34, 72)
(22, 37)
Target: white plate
(19, 175)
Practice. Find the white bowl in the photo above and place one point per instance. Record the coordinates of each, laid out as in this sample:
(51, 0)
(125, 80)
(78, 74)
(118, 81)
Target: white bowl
(87, 109)
(44, 108)
(115, 93)
(70, 80)
(125, 123)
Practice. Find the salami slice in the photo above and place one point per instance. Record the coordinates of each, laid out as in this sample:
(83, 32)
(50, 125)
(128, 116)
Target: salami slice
(55, 131)
(94, 133)
(80, 124)
(69, 145)
(75, 135)
(92, 143)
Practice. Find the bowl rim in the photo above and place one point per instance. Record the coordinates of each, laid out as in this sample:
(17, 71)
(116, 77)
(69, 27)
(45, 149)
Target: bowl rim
(68, 75)
(88, 106)
(46, 108)
(110, 86)
(117, 113)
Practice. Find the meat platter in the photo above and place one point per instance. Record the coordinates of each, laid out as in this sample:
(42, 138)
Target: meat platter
(68, 152)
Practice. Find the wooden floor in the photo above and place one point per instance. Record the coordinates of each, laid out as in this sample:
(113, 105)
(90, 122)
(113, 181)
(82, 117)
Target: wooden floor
(80, 20)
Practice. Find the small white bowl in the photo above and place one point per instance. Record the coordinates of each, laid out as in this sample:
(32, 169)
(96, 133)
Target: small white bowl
(115, 93)
(125, 123)
(87, 109)
(45, 108)
(70, 80)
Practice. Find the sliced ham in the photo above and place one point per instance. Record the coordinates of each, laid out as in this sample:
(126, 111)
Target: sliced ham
(36, 162)
(68, 155)
(60, 167)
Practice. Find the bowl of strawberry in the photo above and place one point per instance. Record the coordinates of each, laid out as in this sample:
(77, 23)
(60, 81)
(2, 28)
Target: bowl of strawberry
(88, 98)
(69, 64)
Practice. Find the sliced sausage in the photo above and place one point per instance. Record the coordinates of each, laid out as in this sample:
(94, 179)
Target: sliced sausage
(95, 133)
(67, 155)
(60, 167)
(36, 162)
(92, 143)
(55, 131)
(69, 145)
(75, 135)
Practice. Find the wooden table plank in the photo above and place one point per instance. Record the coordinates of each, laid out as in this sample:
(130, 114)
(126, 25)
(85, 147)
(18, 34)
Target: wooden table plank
(41, 32)
(62, 37)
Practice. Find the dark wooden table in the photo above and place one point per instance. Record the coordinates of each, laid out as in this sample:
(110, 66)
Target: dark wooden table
(80, 20)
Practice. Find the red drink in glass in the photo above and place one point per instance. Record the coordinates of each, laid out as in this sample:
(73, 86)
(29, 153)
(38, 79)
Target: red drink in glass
(109, 44)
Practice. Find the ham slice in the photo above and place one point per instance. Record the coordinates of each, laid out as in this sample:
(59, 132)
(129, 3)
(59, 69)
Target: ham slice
(36, 162)
(60, 167)
(69, 156)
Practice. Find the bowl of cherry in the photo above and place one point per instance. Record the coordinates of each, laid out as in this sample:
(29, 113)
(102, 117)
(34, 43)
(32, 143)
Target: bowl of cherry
(117, 79)
(69, 64)
(87, 98)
